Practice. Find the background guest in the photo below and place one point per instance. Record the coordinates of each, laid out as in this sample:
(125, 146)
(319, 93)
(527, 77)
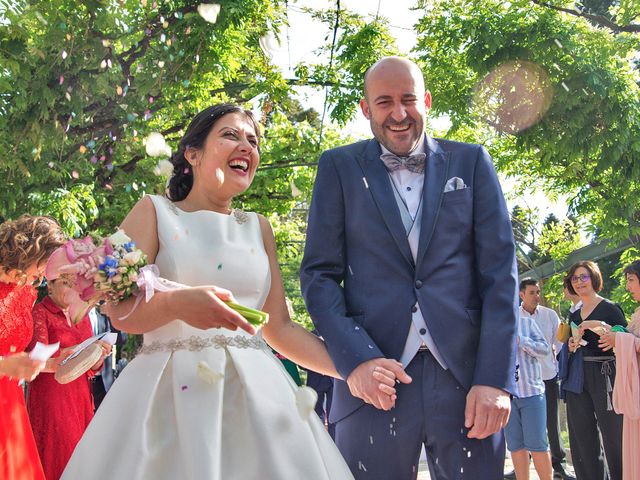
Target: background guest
(25, 245)
(626, 394)
(60, 413)
(547, 321)
(589, 408)
(526, 429)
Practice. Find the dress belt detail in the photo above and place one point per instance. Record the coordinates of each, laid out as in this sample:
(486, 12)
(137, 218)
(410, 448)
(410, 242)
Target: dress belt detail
(195, 343)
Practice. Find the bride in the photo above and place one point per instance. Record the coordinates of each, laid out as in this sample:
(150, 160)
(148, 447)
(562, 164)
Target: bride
(205, 398)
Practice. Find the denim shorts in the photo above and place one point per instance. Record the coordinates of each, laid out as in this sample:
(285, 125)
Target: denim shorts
(527, 426)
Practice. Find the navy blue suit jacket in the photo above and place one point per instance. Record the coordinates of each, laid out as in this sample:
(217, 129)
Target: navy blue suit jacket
(359, 279)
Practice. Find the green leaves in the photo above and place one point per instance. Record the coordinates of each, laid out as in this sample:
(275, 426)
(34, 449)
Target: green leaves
(584, 145)
(83, 83)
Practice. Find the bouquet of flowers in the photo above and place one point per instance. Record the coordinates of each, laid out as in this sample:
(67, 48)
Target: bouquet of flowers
(114, 270)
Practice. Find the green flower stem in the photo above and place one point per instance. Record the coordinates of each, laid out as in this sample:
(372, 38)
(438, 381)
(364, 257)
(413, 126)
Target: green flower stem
(255, 317)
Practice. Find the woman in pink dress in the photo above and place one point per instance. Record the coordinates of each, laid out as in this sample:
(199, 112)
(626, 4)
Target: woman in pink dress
(626, 392)
(60, 413)
(25, 246)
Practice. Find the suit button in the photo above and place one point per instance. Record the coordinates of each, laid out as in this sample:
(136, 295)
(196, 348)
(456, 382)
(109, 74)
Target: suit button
(414, 309)
(418, 283)
(423, 331)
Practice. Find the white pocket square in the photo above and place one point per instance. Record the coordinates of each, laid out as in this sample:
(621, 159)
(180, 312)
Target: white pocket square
(454, 183)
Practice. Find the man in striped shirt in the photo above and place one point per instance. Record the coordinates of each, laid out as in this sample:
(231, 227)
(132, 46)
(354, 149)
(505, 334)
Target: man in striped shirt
(526, 431)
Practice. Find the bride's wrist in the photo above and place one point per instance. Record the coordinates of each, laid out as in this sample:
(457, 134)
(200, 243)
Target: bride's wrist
(169, 303)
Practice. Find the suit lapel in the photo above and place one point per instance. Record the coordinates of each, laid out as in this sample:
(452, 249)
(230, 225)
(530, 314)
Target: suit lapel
(379, 184)
(435, 176)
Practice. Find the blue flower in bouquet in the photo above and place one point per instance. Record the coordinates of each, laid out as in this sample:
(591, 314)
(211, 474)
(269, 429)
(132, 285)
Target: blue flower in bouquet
(109, 266)
(129, 246)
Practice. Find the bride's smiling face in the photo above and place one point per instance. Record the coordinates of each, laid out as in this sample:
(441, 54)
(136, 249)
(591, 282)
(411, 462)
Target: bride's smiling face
(229, 157)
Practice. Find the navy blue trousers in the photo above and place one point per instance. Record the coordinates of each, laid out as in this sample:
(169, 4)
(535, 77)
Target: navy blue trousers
(379, 445)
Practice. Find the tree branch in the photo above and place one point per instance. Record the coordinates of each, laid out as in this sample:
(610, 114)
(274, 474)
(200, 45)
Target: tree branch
(597, 19)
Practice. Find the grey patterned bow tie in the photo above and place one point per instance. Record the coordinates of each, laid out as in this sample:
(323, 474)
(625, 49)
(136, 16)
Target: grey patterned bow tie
(414, 163)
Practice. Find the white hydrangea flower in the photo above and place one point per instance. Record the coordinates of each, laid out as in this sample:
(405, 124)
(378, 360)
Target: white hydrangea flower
(156, 146)
(163, 169)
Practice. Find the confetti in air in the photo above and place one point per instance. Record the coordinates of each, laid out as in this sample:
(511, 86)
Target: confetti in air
(220, 175)
(209, 11)
(269, 44)
(156, 146)
(164, 168)
(295, 191)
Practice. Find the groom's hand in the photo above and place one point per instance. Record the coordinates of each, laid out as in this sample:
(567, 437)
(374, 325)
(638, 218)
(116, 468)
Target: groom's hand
(487, 411)
(373, 381)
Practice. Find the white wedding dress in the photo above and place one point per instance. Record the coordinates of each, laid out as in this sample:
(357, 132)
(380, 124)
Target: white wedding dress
(206, 404)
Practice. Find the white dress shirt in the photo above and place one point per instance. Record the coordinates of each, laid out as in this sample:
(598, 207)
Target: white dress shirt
(532, 349)
(547, 321)
(409, 187)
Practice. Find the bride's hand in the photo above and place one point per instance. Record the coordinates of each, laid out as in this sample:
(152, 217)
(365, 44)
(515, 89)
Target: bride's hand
(204, 308)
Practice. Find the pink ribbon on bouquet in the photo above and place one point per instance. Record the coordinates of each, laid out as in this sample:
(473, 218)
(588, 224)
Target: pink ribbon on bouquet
(149, 282)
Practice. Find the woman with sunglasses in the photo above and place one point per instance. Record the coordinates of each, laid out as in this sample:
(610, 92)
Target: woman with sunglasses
(25, 246)
(589, 407)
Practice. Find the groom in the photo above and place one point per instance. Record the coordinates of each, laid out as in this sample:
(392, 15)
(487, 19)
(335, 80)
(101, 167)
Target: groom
(410, 256)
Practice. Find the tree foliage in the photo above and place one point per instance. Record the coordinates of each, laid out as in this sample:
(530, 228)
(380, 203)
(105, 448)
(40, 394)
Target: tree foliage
(586, 145)
(83, 83)
(552, 93)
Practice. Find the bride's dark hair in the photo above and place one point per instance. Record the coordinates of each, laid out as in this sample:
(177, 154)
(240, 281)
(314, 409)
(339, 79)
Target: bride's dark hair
(182, 178)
